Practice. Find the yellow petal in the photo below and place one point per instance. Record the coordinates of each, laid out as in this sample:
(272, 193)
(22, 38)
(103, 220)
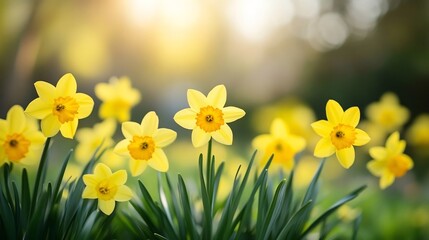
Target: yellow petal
(392, 141)
(297, 143)
(149, 124)
(278, 128)
(106, 207)
(38, 108)
(130, 129)
(66, 86)
(324, 148)
(16, 119)
(45, 90)
(334, 112)
(322, 128)
(50, 126)
(3, 130)
(137, 167)
(351, 117)
(103, 91)
(35, 137)
(260, 142)
(86, 104)
(378, 152)
(400, 147)
(164, 137)
(376, 167)
(386, 179)
(196, 100)
(230, 114)
(2, 157)
(102, 171)
(186, 118)
(408, 161)
(89, 192)
(223, 135)
(159, 161)
(123, 194)
(362, 137)
(90, 180)
(68, 129)
(346, 157)
(199, 137)
(217, 97)
(119, 177)
(122, 148)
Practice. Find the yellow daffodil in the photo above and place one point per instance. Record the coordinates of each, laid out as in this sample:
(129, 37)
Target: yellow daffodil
(347, 213)
(20, 141)
(281, 143)
(118, 98)
(339, 133)
(418, 133)
(91, 139)
(207, 117)
(388, 113)
(108, 187)
(60, 107)
(143, 143)
(389, 162)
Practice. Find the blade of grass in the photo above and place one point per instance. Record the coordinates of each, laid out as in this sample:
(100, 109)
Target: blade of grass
(187, 212)
(40, 175)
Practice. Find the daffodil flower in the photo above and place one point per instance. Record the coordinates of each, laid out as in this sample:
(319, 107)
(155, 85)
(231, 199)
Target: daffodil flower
(91, 139)
(281, 143)
(207, 117)
(339, 133)
(60, 107)
(143, 143)
(20, 140)
(107, 187)
(389, 162)
(388, 114)
(118, 98)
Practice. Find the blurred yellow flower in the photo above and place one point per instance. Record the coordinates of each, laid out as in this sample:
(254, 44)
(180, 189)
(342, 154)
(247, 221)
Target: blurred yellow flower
(304, 171)
(90, 139)
(60, 107)
(207, 117)
(388, 113)
(108, 187)
(389, 162)
(118, 98)
(339, 133)
(418, 133)
(347, 213)
(143, 143)
(20, 141)
(281, 143)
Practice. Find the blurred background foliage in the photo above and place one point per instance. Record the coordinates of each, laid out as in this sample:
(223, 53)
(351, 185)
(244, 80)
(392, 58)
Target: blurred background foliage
(272, 55)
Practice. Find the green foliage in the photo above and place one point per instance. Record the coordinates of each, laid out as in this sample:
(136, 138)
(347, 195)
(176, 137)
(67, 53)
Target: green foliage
(42, 212)
(253, 210)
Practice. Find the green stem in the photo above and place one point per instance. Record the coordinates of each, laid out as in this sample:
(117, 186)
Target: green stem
(40, 174)
(209, 187)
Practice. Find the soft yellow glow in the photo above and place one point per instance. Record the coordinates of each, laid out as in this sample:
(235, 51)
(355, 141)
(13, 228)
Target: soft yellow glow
(141, 12)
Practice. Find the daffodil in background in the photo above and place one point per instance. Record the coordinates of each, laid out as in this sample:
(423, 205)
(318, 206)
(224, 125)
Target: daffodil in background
(388, 114)
(390, 162)
(281, 143)
(107, 187)
(118, 98)
(143, 143)
(90, 139)
(339, 133)
(20, 140)
(418, 132)
(347, 213)
(60, 107)
(207, 117)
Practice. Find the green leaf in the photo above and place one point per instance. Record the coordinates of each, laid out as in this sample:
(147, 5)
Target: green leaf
(41, 172)
(333, 208)
(187, 212)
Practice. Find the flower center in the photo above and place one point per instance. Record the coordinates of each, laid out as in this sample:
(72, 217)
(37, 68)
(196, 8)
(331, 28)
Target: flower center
(106, 190)
(398, 166)
(281, 150)
(65, 108)
(16, 146)
(343, 136)
(141, 148)
(210, 119)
